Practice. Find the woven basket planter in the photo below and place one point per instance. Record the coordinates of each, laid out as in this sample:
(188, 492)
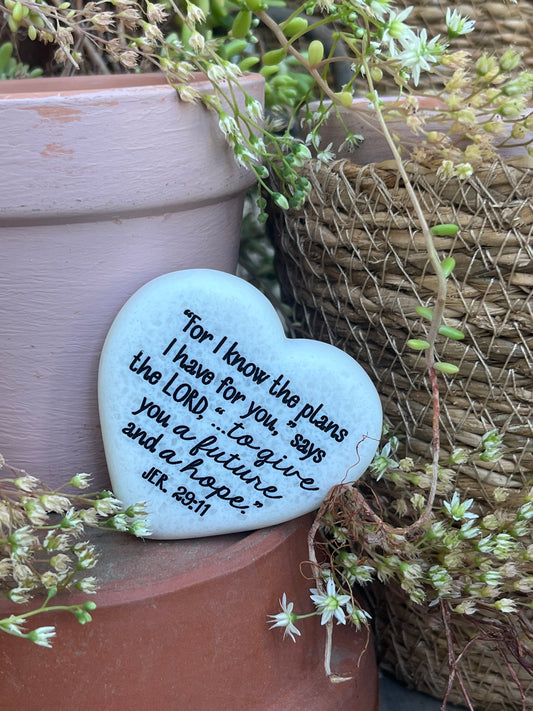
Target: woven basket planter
(353, 265)
(412, 647)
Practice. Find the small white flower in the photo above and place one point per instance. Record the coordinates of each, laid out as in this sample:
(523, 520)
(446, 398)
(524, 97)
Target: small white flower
(55, 503)
(197, 42)
(19, 595)
(72, 520)
(286, 619)
(504, 545)
(469, 530)
(357, 615)
(329, 604)
(254, 109)
(491, 577)
(440, 579)
(228, 125)
(457, 510)
(467, 607)
(188, 93)
(327, 155)
(458, 25)
(13, 625)
(27, 483)
(216, 74)
(88, 585)
(505, 605)
(195, 14)
(396, 30)
(107, 506)
(60, 562)
(86, 555)
(464, 171)
(485, 545)
(119, 522)
(418, 54)
(42, 636)
(140, 528)
(80, 481)
(378, 8)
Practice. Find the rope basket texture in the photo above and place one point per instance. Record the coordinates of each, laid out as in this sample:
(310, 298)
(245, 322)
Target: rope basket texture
(499, 24)
(413, 648)
(353, 265)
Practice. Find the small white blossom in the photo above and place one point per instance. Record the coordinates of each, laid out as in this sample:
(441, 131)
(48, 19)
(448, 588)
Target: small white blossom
(286, 618)
(49, 579)
(13, 625)
(504, 544)
(195, 14)
(42, 636)
(467, 607)
(327, 155)
(19, 595)
(107, 506)
(197, 42)
(395, 30)
(55, 503)
(80, 481)
(119, 522)
(357, 615)
(505, 605)
(464, 171)
(27, 483)
(140, 528)
(458, 510)
(329, 604)
(418, 54)
(228, 125)
(89, 517)
(491, 577)
(254, 109)
(85, 553)
(60, 562)
(440, 579)
(378, 8)
(458, 25)
(88, 585)
(469, 530)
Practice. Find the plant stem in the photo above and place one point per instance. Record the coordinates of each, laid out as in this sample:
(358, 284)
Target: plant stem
(438, 310)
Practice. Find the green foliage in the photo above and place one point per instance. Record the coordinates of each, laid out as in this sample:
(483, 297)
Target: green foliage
(10, 68)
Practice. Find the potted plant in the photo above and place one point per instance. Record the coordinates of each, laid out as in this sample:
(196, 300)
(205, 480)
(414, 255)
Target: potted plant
(379, 42)
(396, 263)
(68, 146)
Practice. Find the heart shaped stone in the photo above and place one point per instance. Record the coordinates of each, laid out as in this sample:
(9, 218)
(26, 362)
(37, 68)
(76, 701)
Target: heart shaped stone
(218, 421)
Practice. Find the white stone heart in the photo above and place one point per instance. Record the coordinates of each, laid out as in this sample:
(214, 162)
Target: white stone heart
(219, 422)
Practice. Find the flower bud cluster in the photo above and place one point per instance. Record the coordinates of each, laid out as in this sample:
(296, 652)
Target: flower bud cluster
(40, 548)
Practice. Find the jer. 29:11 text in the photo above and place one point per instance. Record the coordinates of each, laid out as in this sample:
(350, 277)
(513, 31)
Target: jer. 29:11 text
(182, 494)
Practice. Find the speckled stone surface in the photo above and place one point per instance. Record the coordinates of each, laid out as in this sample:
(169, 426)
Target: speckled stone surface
(216, 419)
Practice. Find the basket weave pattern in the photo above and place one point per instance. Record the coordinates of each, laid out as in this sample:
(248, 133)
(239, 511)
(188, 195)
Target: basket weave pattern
(499, 24)
(354, 266)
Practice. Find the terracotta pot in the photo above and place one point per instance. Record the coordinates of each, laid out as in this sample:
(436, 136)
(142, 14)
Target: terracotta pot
(183, 625)
(109, 182)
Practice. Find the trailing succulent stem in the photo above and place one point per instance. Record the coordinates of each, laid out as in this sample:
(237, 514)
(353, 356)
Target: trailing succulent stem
(41, 553)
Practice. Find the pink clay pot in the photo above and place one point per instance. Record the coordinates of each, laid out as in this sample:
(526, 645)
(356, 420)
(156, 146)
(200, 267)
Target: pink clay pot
(183, 625)
(109, 181)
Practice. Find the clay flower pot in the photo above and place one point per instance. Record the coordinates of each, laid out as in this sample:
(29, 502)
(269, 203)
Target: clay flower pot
(183, 625)
(110, 182)
(110, 186)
